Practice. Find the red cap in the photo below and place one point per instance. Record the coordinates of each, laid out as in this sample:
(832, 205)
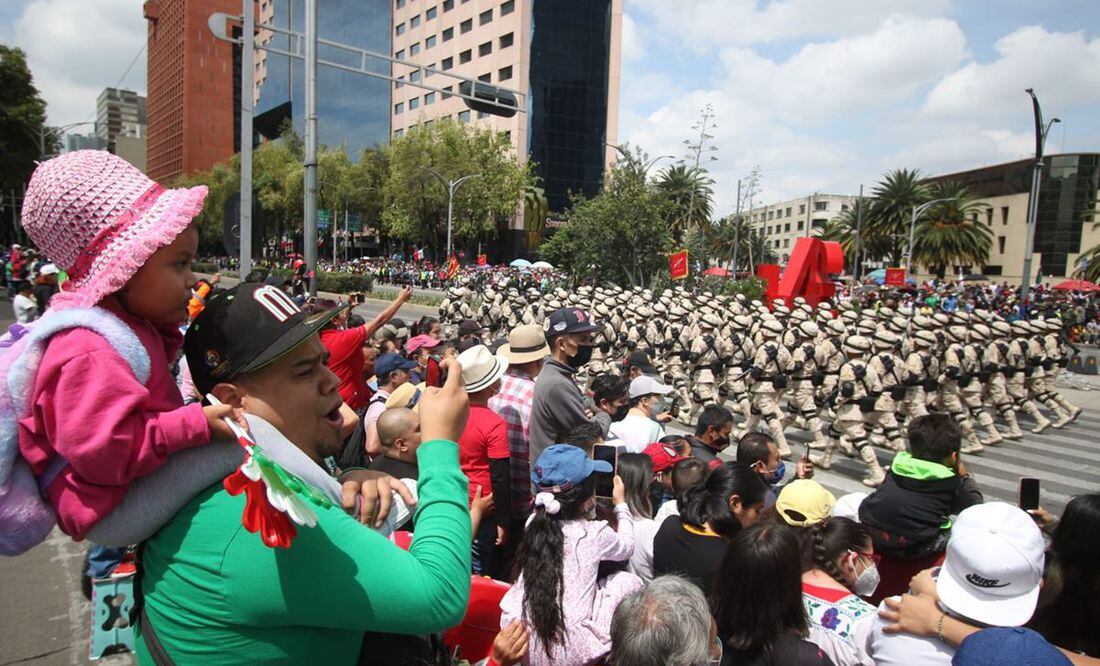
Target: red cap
(663, 456)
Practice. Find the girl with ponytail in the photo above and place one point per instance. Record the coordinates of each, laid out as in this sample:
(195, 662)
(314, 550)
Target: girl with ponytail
(558, 593)
(842, 569)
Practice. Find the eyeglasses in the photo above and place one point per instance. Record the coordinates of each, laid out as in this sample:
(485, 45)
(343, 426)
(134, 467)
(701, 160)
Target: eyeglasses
(874, 557)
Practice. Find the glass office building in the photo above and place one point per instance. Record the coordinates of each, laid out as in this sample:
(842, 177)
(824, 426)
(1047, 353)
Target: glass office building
(353, 110)
(569, 91)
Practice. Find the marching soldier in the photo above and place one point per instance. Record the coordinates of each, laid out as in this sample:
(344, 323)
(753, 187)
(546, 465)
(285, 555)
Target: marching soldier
(1041, 365)
(953, 375)
(1018, 370)
(1059, 359)
(975, 378)
(770, 367)
(890, 369)
(922, 370)
(706, 362)
(995, 364)
(805, 377)
(741, 352)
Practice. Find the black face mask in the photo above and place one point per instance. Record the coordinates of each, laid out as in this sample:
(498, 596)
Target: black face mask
(584, 355)
(620, 413)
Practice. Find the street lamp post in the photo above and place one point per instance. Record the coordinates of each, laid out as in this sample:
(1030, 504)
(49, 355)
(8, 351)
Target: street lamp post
(44, 130)
(1041, 132)
(451, 186)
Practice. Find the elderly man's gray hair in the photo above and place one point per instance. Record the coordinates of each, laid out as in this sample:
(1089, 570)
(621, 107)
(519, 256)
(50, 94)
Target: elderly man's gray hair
(667, 623)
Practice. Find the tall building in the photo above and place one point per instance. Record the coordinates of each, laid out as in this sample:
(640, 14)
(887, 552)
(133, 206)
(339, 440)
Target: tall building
(1063, 229)
(83, 142)
(780, 224)
(193, 88)
(353, 110)
(119, 113)
(563, 54)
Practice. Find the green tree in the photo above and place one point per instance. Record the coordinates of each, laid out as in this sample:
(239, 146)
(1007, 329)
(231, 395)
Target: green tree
(22, 119)
(688, 190)
(222, 181)
(949, 233)
(890, 212)
(416, 203)
(619, 235)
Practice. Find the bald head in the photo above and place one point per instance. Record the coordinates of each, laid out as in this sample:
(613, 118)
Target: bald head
(399, 433)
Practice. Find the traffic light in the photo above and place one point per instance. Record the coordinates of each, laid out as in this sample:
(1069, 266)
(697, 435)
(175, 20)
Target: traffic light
(497, 101)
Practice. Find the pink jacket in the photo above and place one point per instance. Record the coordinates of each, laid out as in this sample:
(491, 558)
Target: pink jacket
(88, 407)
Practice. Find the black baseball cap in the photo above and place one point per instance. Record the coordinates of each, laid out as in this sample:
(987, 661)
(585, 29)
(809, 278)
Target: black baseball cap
(469, 327)
(640, 359)
(244, 329)
(568, 320)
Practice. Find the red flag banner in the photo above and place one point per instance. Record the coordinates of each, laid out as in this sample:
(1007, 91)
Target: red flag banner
(452, 267)
(482, 260)
(895, 277)
(678, 265)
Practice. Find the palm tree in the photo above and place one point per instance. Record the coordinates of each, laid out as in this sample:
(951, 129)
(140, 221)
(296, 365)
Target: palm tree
(535, 210)
(891, 208)
(689, 192)
(949, 233)
(1091, 256)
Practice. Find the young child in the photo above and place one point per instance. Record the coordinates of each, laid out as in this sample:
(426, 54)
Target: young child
(559, 594)
(127, 244)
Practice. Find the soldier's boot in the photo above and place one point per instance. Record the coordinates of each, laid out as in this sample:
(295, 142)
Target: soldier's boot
(973, 444)
(817, 429)
(825, 460)
(1073, 410)
(1041, 422)
(1009, 415)
(894, 439)
(1063, 416)
(775, 425)
(875, 474)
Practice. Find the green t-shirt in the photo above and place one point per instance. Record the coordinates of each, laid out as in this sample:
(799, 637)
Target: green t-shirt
(215, 594)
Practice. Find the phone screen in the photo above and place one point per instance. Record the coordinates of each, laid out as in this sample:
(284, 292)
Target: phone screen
(1029, 493)
(605, 480)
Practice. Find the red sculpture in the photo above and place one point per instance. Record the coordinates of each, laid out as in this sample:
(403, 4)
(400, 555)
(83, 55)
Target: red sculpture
(808, 273)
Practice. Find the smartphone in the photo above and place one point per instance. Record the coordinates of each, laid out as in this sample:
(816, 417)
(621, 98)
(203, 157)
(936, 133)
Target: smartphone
(605, 483)
(1029, 493)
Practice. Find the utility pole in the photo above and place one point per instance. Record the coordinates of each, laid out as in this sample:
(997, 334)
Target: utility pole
(248, 37)
(859, 234)
(1041, 131)
(451, 186)
(736, 232)
(309, 220)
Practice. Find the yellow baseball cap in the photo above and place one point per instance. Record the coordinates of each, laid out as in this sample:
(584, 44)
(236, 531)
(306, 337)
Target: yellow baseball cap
(804, 502)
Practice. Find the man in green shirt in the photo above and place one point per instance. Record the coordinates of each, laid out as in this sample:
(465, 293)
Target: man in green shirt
(214, 593)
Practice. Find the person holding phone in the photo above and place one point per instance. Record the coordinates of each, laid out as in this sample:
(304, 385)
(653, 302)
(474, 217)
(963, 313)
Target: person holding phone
(559, 593)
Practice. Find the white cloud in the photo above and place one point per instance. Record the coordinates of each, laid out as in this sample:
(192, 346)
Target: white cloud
(1062, 67)
(632, 48)
(75, 48)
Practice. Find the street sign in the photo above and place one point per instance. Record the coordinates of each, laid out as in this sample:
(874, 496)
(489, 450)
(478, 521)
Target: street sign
(355, 222)
(895, 277)
(678, 265)
(324, 218)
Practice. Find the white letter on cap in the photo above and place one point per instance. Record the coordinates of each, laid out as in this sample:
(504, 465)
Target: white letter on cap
(275, 301)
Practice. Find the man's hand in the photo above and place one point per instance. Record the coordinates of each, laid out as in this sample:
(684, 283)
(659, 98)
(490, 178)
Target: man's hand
(481, 504)
(618, 492)
(924, 583)
(219, 429)
(443, 411)
(404, 295)
(216, 279)
(502, 535)
(664, 417)
(918, 615)
(804, 469)
(1042, 517)
(510, 645)
(374, 493)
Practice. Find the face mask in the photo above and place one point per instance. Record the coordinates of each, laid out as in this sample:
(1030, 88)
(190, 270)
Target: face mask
(620, 413)
(775, 477)
(658, 407)
(866, 582)
(584, 355)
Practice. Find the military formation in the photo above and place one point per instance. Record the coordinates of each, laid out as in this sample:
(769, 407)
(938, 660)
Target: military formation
(795, 365)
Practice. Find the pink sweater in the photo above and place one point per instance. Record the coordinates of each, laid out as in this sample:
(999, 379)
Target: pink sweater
(87, 406)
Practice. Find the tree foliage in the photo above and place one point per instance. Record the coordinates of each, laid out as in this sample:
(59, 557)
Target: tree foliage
(892, 201)
(949, 233)
(22, 119)
(690, 196)
(619, 235)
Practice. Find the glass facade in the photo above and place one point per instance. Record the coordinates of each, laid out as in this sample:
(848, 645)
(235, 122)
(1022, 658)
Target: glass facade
(567, 101)
(1068, 186)
(353, 110)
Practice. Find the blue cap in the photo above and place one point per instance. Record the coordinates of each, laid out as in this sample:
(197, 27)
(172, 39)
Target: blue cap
(564, 466)
(390, 361)
(1008, 645)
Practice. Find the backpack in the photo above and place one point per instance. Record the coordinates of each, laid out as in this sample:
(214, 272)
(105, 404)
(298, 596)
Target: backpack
(26, 517)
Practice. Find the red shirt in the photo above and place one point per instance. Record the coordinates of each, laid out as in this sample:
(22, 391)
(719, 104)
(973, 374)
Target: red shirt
(485, 437)
(346, 361)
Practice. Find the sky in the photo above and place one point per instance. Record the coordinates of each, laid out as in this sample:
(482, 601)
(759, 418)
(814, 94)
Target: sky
(821, 95)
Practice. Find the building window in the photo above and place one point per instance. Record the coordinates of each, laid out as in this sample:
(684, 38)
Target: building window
(398, 108)
(508, 7)
(844, 208)
(447, 95)
(448, 34)
(485, 49)
(400, 29)
(802, 209)
(447, 63)
(448, 5)
(465, 57)
(800, 223)
(466, 26)
(787, 228)
(482, 114)
(429, 98)
(788, 212)
(414, 49)
(821, 205)
(397, 84)
(1001, 244)
(1004, 214)
(786, 242)
(991, 270)
(430, 14)
(485, 77)
(400, 4)
(428, 70)
(505, 73)
(414, 22)
(485, 17)
(414, 103)
(398, 133)
(463, 116)
(771, 216)
(400, 55)
(429, 42)
(769, 231)
(414, 75)
(989, 216)
(506, 40)
(818, 223)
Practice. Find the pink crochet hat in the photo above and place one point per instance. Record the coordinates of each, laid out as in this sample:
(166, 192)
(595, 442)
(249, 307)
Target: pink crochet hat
(99, 218)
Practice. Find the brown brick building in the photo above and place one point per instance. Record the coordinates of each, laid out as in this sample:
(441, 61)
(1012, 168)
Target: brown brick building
(193, 89)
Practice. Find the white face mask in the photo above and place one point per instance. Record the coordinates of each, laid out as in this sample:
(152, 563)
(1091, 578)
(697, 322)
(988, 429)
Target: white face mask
(866, 582)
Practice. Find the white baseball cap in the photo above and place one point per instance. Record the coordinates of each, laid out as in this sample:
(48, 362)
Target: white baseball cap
(645, 385)
(994, 565)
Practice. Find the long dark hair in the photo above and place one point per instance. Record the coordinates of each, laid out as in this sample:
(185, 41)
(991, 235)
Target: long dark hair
(423, 326)
(830, 539)
(708, 502)
(757, 591)
(540, 560)
(1069, 609)
(636, 471)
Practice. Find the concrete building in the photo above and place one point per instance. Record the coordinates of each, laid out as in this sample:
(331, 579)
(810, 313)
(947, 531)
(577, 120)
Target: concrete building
(82, 142)
(1063, 231)
(193, 88)
(780, 224)
(564, 54)
(120, 113)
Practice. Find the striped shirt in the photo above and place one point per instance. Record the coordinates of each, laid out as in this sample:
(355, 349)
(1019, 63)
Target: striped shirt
(513, 404)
